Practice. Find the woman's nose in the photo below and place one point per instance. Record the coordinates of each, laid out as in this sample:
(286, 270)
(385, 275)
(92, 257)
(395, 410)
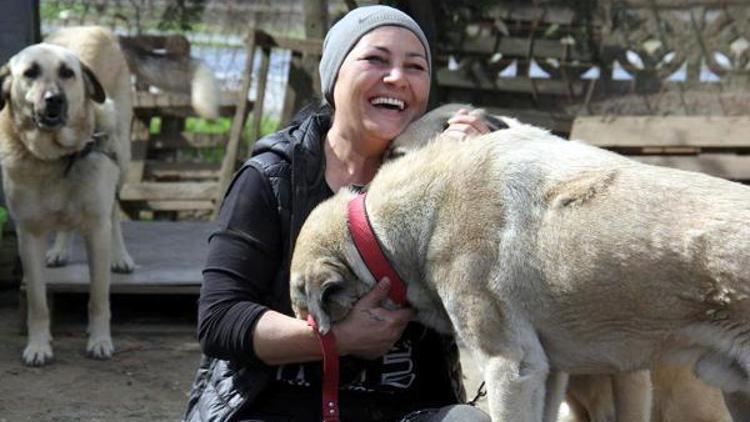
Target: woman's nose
(395, 76)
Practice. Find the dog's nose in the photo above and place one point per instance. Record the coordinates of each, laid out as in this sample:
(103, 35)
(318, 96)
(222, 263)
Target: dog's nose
(53, 102)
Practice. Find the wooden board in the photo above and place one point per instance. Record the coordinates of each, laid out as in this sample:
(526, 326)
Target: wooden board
(663, 131)
(169, 259)
(728, 166)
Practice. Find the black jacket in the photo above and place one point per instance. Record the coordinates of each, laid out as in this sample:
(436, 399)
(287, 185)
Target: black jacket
(247, 272)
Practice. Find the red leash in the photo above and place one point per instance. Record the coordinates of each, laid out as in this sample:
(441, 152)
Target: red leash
(369, 249)
(330, 372)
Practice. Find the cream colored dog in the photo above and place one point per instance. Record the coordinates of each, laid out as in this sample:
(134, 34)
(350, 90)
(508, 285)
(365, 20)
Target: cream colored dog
(64, 148)
(549, 257)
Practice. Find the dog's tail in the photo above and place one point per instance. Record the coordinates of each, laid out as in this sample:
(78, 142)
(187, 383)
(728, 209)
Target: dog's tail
(204, 93)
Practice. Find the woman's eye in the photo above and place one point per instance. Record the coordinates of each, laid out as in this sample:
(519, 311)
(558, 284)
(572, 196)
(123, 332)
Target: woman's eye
(375, 59)
(416, 66)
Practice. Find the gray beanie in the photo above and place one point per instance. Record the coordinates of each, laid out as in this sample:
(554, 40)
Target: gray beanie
(345, 34)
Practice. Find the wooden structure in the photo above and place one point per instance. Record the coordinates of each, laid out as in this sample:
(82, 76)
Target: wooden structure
(714, 145)
(164, 176)
(160, 178)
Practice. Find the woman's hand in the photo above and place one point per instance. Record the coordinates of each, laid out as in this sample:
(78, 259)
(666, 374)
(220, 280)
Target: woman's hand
(370, 330)
(466, 124)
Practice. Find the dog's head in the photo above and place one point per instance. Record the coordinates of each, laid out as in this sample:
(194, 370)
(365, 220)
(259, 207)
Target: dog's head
(433, 123)
(47, 85)
(322, 280)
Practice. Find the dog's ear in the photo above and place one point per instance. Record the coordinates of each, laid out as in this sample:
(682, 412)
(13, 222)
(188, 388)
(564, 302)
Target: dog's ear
(5, 80)
(323, 301)
(94, 89)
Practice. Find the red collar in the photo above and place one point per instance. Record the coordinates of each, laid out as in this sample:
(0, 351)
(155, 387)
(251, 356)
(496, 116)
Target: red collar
(369, 249)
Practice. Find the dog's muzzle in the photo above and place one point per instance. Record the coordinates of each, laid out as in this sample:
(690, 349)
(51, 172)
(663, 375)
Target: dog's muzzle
(53, 112)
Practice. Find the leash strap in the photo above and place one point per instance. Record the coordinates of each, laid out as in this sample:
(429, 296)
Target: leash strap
(369, 249)
(327, 342)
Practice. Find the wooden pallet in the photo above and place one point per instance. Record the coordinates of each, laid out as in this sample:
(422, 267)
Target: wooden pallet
(715, 145)
(169, 258)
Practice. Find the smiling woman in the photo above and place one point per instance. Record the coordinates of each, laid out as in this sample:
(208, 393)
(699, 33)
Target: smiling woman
(375, 76)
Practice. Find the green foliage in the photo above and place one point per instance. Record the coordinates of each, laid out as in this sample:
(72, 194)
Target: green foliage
(222, 125)
(181, 15)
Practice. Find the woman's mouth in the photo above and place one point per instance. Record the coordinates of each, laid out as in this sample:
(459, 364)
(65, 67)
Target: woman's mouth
(389, 103)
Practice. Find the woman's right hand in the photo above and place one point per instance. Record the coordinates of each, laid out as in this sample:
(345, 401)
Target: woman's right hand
(369, 330)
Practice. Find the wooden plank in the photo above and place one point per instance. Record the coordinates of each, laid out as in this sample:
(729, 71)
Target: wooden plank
(517, 47)
(187, 140)
(728, 166)
(457, 79)
(205, 205)
(181, 170)
(145, 102)
(238, 124)
(179, 191)
(663, 131)
(169, 257)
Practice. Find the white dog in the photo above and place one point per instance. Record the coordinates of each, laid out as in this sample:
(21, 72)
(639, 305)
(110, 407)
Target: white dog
(549, 257)
(64, 148)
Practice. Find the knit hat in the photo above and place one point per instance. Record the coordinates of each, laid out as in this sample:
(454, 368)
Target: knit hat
(345, 34)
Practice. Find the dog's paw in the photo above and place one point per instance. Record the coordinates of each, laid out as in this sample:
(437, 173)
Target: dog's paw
(100, 348)
(57, 258)
(37, 354)
(123, 264)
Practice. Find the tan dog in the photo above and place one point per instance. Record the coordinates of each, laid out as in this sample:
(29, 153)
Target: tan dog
(676, 395)
(64, 150)
(548, 257)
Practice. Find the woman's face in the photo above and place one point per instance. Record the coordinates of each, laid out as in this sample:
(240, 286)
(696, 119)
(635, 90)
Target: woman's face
(382, 86)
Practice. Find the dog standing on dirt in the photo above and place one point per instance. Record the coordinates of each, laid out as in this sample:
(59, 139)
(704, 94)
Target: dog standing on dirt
(547, 257)
(64, 148)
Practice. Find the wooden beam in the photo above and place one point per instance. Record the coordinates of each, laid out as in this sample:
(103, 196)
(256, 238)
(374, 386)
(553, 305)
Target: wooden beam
(182, 191)
(663, 131)
(728, 166)
(455, 79)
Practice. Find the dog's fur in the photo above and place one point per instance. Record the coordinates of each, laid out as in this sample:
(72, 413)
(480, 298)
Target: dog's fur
(677, 396)
(548, 257)
(64, 148)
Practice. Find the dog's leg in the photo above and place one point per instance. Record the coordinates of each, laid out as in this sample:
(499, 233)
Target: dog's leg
(121, 260)
(98, 251)
(513, 362)
(59, 254)
(31, 249)
(555, 393)
(632, 396)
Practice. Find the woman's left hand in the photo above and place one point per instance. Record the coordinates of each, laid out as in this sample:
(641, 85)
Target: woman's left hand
(466, 124)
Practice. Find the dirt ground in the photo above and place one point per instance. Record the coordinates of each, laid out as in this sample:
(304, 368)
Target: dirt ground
(146, 380)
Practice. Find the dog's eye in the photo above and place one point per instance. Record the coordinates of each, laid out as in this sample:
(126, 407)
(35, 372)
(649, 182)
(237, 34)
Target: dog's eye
(66, 72)
(31, 72)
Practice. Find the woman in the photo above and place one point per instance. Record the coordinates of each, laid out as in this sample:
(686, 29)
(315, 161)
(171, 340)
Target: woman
(262, 364)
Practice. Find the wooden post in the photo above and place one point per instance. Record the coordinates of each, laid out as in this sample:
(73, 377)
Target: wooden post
(238, 124)
(304, 83)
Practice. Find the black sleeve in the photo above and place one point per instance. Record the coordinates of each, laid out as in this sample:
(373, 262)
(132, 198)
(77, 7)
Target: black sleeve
(244, 255)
